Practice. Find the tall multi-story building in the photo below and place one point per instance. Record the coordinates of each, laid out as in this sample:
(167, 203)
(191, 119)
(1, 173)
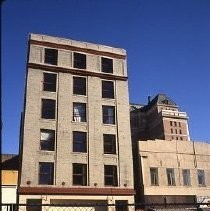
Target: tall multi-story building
(76, 140)
(159, 119)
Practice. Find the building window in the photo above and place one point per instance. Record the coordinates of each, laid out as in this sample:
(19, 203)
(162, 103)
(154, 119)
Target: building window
(171, 130)
(170, 176)
(179, 124)
(171, 123)
(180, 131)
(106, 65)
(121, 205)
(48, 109)
(154, 176)
(79, 174)
(107, 89)
(110, 175)
(46, 173)
(201, 177)
(79, 61)
(30, 204)
(176, 131)
(175, 124)
(79, 141)
(186, 177)
(79, 86)
(51, 56)
(47, 141)
(79, 112)
(181, 138)
(108, 115)
(109, 144)
(49, 83)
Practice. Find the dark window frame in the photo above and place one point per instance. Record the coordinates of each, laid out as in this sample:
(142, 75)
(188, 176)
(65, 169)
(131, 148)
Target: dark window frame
(79, 115)
(186, 177)
(201, 177)
(108, 118)
(31, 202)
(49, 83)
(51, 56)
(108, 89)
(43, 173)
(79, 85)
(79, 143)
(48, 109)
(80, 60)
(154, 176)
(47, 145)
(110, 175)
(170, 177)
(79, 174)
(109, 143)
(106, 65)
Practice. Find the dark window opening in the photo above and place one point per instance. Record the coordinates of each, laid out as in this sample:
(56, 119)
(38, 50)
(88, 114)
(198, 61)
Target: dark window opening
(79, 61)
(106, 65)
(49, 83)
(121, 205)
(107, 89)
(109, 144)
(79, 112)
(108, 115)
(154, 176)
(51, 56)
(33, 204)
(47, 141)
(79, 142)
(170, 176)
(79, 174)
(186, 177)
(46, 173)
(201, 177)
(110, 175)
(48, 109)
(79, 85)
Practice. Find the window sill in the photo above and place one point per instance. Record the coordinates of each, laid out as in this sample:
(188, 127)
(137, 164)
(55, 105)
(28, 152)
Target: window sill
(80, 153)
(51, 92)
(112, 125)
(110, 155)
(50, 120)
(74, 122)
(79, 95)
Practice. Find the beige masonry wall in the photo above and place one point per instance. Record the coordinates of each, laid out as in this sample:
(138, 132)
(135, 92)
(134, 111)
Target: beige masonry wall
(63, 157)
(177, 155)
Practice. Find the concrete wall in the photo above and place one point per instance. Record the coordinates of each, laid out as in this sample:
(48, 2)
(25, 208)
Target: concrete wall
(178, 155)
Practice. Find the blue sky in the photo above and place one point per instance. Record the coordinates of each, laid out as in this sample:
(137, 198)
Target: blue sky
(167, 44)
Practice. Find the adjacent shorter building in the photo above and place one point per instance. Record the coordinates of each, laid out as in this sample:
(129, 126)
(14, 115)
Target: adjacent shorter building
(173, 172)
(9, 172)
(168, 167)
